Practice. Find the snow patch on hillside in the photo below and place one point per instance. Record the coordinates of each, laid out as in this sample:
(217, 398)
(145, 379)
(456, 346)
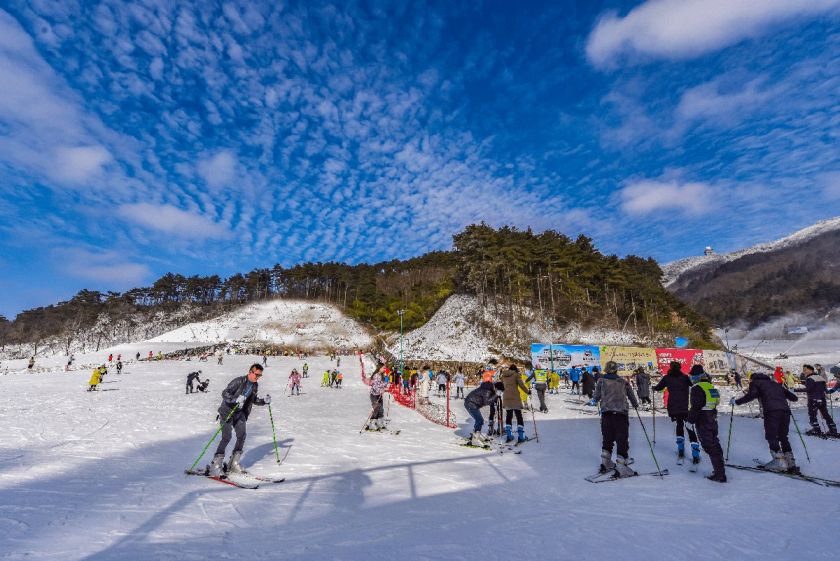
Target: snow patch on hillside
(673, 270)
(299, 324)
(456, 333)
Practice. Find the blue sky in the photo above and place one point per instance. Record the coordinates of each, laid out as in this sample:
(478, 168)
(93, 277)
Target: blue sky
(144, 137)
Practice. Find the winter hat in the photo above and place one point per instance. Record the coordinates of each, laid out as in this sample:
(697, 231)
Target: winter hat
(611, 367)
(513, 367)
(807, 367)
(499, 386)
(696, 370)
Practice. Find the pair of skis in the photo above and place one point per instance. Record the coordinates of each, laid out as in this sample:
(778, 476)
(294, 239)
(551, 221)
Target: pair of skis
(613, 476)
(240, 480)
(800, 476)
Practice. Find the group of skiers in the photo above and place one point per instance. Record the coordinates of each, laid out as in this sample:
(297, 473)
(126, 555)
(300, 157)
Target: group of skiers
(332, 379)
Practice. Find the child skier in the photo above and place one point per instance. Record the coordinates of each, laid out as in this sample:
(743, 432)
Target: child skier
(612, 392)
(377, 413)
(294, 382)
(678, 385)
(459, 383)
(325, 381)
(237, 399)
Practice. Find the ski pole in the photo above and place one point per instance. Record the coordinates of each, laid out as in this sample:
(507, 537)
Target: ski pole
(796, 425)
(729, 439)
(655, 461)
(215, 434)
(273, 434)
(653, 406)
(368, 419)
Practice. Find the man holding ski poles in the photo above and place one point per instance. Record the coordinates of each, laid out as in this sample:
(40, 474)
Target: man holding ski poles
(237, 399)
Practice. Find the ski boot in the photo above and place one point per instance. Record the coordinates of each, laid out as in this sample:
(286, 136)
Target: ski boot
(790, 463)
(520, 435)
(815, 431)
(622, 467)
(606, 462)
(832, 431)
(680, 447)
(234, 466)
(217, 466)
(716, 477)
(381, 423)
(695, 453)
(778, 463)
(508, 433)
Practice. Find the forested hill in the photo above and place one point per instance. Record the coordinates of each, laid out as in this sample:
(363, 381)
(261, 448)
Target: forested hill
(568, 281)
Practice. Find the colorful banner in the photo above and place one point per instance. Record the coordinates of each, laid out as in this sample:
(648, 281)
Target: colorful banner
(564, 356)
(628, 358)
(686, 357)
(717, 363)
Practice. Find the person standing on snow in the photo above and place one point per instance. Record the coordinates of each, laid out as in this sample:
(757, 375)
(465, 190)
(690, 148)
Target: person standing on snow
(612, 393)
(678, 385)
(459, 383)
(512, 402)
(441, 383)
(237, 399)
(540, 378)
(192, 377)
(588, 382)
(305, 370)
(95, 379)
(574, 376)
(377, 401)
(294, 382)
(642, 379)
(815, 387)
(702, 414)
(484, 395)
(773, 398)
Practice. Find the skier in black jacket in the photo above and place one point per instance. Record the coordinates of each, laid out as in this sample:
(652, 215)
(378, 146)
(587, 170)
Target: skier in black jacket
(704, 398)
(816, 387)
(483, 396)
(238, 397)
(678, 384)
(773, 398)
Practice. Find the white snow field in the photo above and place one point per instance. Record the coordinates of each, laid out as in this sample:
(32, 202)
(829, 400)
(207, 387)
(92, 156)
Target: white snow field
(99, 476)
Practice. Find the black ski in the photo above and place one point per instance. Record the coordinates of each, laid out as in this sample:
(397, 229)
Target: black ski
(611, 476)
(223, 479)
(799, 476)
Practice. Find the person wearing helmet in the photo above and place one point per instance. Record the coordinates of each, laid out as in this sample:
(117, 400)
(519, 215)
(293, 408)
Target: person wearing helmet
(237, 399)
(702, 414)
(612, 392)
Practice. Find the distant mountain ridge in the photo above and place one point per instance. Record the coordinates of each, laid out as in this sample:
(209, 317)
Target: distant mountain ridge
(799, 273)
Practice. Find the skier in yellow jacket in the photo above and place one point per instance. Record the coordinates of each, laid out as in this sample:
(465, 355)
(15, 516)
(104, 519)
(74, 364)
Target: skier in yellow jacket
(95, 379)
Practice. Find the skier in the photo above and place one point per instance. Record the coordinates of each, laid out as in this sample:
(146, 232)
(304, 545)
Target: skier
(119, 367)
(220, 357)
(377, 391)
(773, 398)
(237, 399)
(574, 376)
(338, 362)
(111, 358)
(339, 377)
(512, 402)
(325, 381)
(588, 382)
(294, 382)
(704, 398)
(192, 377)
(553, 382)
(95, 379)
(265, 360)
(815, 387)
(459, 383)
(678, 385)
(441, 383)
(332, 378)
(642, 379)
(137, 356)
(202, 385)
(31, 363)
(305, 370)
(612, 392)
(540, 378)
(482, 396)
(737, 376)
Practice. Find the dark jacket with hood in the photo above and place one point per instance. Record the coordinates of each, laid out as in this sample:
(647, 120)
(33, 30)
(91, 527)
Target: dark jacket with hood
(815, 386)
(677, 385)
(236, 387)
(773, 396)
(588, 385)
(482, 396)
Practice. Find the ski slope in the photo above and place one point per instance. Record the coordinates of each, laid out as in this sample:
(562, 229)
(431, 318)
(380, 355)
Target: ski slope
(98, 476)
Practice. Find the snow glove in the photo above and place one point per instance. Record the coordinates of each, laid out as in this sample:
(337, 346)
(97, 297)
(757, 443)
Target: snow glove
(240, 401)
(267, 399)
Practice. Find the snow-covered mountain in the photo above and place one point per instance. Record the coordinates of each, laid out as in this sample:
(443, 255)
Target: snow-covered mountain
(293, 323)
(797, 274)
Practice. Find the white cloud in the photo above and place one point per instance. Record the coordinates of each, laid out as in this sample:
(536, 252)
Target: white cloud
(108, 268)
(679, 29)
(707, 102)
(170, 220)
(648, 196)
(218, 170)
(831, 185)
(79, 163)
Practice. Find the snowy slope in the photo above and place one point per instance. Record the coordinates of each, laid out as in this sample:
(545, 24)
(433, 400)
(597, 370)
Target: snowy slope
(298, 324)
(673, 270)
(98, 477)
(452, 333)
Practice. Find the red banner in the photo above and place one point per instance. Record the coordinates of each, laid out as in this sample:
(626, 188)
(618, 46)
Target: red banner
(686, 357)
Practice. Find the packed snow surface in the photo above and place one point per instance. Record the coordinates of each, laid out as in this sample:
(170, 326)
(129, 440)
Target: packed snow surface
(673, 270)
(99, 476)
(293, 323)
